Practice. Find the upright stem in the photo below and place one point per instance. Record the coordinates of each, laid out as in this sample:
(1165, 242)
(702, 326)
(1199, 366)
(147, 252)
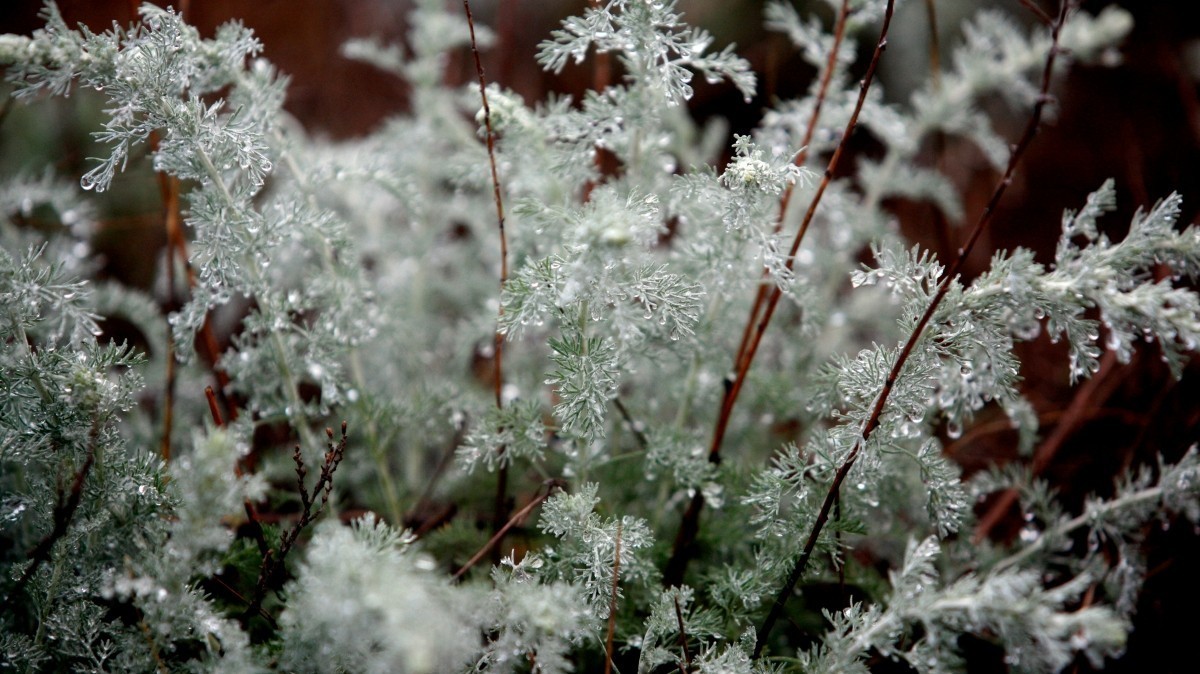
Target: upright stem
(985, 219)
(297, 417)
(689, 527)
(839, 33)
(498, 515)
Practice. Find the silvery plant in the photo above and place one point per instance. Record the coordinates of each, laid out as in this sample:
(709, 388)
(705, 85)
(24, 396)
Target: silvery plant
(498, 387)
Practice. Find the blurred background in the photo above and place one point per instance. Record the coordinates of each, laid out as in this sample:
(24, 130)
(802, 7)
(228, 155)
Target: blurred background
(1137, 122)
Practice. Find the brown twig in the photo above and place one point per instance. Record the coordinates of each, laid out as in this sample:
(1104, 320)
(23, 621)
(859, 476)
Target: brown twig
(685, 665)
(169, 187)
(690, 525)
(839, 33)
(601, 78)
(64, 512)
(935, 50)
(499, 513)
(213, 408)
(638, 435)
(1038, 12)
(612, 604)
(552, 486)
(873, 419)
(311, 508)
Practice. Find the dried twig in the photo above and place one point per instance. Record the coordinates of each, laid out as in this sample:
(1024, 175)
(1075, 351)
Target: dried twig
(552, 487)
(685, 665)
(752, 338)
(311, 508)
(499, 512)
(839, 33)
(948, 279)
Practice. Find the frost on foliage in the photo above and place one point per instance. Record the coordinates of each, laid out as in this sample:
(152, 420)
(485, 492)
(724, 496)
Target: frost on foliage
(654, 46)
(363, 602)
(1117, 520)
(527, 618)
(153, 75)
(1116, 278)
(683, 455)
(1040, 629)
(675, 609)
(209, 493)
(586, 551)
(585, 379)
(604, 271)
(160, 77)
(504, 434)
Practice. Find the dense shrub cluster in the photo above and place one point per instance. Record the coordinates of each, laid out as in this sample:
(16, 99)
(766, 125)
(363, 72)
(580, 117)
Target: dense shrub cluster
(614, 391)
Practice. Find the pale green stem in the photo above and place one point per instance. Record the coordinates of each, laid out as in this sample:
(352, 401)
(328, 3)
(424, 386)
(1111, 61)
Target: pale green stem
(1090, 514)
(296, 416)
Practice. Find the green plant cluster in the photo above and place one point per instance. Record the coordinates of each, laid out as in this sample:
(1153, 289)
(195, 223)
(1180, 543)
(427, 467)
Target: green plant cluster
(566, 445)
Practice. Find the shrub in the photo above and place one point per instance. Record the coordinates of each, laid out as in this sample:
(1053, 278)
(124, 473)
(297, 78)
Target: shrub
(543, 309)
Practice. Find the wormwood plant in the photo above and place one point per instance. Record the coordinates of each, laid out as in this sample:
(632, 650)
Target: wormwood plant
(561, 336)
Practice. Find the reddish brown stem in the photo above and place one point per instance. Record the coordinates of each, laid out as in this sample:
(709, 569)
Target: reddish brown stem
(688, 528)
(169, 187)
(213, 408)
(552, 487)
(839, 33)
(498, 340)
(872, 422)
(935, 51)
(685, 665)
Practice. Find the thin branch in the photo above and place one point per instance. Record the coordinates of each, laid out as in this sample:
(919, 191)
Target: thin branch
(272, 564)
(213, 408)
(935, 50)
(872, 422)
(685, 665)
(169, 187)
(498, 339)
(552, 487)
(638, 435)
(689, 527)
(1037, 11)
(839, 33)
(612, 604)
(64, 512)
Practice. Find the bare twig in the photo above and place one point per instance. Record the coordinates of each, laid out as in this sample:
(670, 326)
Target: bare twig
(213, 408)
(612, 604)
(690, 525)
(935, 51)
(311, 508)
(552, 487)
(169, 187)
(1037, 11)
(685, 665)
(64, 512)
(499, 512)
(872, 422)
(839, 33)
(634, 428)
